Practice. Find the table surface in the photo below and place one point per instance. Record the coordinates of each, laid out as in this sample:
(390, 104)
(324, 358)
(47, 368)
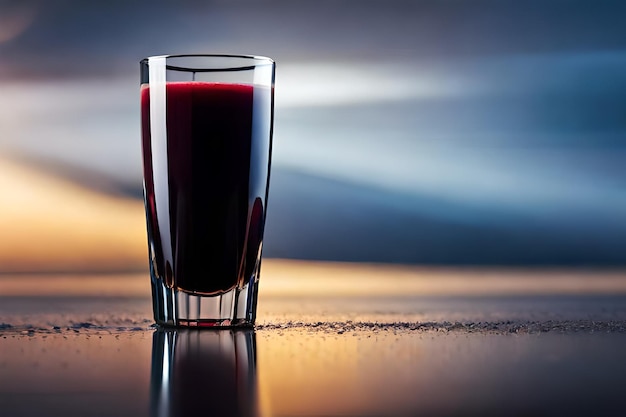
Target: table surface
(331, 340)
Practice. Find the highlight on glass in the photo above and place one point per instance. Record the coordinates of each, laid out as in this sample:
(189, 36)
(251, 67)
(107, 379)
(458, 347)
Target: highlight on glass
(206, 124)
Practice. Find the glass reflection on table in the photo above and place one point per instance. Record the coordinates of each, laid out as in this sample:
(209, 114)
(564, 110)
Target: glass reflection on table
(210, 372)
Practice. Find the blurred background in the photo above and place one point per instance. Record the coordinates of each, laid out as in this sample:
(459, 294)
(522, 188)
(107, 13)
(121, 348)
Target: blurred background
(450, 132)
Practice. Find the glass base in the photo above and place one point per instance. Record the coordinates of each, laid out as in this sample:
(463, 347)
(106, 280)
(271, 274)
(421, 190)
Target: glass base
(177, 308)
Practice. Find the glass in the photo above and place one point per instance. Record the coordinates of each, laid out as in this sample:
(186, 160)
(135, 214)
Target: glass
(203, 373)
(207, 125)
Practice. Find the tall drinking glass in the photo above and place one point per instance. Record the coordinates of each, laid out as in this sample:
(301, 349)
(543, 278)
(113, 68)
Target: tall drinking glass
(207, 138)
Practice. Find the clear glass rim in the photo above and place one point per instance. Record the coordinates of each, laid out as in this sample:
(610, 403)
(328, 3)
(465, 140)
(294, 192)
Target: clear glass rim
(250, 62)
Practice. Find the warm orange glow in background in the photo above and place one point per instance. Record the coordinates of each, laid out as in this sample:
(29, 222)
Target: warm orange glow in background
(49, 224)
(291, 279)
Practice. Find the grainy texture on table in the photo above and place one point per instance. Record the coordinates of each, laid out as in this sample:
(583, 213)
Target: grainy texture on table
(391, 352)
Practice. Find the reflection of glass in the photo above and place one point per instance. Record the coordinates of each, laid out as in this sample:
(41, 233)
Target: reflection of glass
(207, 373)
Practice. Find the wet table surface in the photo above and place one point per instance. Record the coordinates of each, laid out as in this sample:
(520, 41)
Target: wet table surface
(552, 344)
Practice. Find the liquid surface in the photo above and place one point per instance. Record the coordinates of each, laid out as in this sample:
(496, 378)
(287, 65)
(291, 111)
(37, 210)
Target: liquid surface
(206, 150)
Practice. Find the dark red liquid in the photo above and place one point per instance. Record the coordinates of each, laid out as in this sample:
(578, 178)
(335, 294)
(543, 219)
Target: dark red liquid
(206, 152)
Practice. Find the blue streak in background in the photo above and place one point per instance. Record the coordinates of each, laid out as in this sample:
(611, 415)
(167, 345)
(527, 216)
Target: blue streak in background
(523, 164)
